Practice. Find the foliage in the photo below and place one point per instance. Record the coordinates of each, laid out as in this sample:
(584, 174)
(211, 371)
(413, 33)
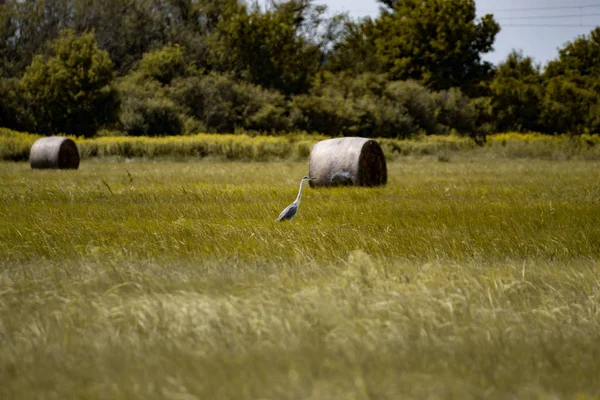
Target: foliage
(186, 66)
(438, 43)
(419, 102)
(221, 104)
(14, 110)
(272, 48)
(147, 110)
(70, 91)
(355, 108)
(353, 49)
(517, 94)
(569, 106)
(163, 65)
(580, 57)
(8, 29)
(455, 110)
(572, 87)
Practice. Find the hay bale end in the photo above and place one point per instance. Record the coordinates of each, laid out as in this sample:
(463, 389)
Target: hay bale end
(347, 161)
(54, 152)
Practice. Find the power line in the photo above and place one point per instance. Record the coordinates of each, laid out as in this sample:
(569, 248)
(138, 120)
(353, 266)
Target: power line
(548, 25)
(584, 6)
(551, 16)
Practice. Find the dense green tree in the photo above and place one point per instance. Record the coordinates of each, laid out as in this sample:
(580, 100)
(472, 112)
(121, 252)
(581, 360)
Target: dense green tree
(14, 111)
(353, 47)
(126, 29)
(517, 93)
(8, 29)
(572, 87)
(163, 65)
(569, 107)
(28, 25)
(129, 28)
(279, 48)
(436, 42)
(70, 91)
(580, 57)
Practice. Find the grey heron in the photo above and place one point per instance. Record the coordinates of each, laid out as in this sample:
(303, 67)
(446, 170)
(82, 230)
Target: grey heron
(290, 211)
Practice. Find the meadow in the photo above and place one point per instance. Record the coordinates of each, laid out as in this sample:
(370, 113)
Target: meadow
(465, 277)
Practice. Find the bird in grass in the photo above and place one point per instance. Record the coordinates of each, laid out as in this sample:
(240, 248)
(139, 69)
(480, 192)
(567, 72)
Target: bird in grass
(290, 211)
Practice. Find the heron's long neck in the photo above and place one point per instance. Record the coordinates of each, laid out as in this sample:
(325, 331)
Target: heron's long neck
(300, 192)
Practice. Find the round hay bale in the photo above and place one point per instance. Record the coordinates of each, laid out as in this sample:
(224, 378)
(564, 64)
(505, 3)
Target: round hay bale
(54, 152)
(347, 161)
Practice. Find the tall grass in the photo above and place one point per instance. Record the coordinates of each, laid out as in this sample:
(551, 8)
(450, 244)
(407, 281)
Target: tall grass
(241, 147)
(462, 279)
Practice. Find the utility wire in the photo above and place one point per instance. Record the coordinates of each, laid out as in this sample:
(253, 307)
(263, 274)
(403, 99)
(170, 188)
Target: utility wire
(571, 16)
(584, 6)
(549, 25)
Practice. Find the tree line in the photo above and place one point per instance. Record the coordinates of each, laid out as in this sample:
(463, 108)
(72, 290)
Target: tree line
(168, 67)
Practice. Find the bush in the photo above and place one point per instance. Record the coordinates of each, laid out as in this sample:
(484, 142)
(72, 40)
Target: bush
(330, 114)
(381, 117)
(366, 105)
(147, 111)
(517, 93)
(223, 105)
(485, 123)
(14, 110)
(260, 109)
(455, 111)
(418, 101)
(208, 99)
(569, 106)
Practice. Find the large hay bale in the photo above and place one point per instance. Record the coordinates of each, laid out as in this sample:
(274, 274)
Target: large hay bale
(347, 161)
(54, 152)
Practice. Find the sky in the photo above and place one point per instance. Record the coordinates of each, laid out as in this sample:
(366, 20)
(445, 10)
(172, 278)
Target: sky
(536, 27)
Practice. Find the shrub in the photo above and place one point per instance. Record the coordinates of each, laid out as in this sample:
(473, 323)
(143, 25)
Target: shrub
(208, 99)
(418, 101)
(381, 117)
(147, 111)
(569, 106)
(223, 105)
(330, 114)
(14, 110)
(485, 123)
(361, 106)
(455, 111)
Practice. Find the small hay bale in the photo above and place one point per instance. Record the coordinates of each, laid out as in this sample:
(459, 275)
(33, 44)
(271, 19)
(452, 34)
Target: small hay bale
(347, 161)
(54, 152)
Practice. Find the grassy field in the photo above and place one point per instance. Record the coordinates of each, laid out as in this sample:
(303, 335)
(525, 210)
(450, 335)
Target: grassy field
(470, 279)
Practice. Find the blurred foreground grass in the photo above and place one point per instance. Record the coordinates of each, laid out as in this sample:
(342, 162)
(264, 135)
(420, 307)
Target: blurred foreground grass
(462, 279)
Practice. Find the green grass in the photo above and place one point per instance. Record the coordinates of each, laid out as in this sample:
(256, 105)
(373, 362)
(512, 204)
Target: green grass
(473, 278)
